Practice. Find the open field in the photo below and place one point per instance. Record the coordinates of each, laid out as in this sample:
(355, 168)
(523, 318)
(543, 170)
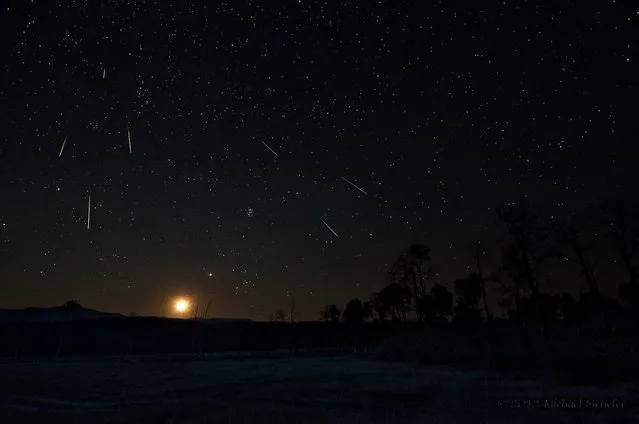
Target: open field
(178, 389)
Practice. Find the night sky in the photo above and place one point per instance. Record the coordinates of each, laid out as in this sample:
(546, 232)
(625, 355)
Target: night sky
(292, 149)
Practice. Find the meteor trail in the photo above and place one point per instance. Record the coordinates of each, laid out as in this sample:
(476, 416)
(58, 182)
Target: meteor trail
(63, 144)
(353, 184)
(104, 73)
(128, 131)
(267, 146)
(89, 213)
(329, 227)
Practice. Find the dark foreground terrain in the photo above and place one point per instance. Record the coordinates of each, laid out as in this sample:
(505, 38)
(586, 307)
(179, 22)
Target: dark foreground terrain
(229, 388)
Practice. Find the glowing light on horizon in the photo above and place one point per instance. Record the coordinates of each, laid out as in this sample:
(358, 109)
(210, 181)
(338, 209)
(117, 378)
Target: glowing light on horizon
(182, 305)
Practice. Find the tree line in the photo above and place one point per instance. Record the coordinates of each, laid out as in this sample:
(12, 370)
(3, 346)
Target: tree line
(530, 244)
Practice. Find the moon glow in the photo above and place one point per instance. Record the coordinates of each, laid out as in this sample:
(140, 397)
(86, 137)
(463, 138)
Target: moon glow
(181, 305)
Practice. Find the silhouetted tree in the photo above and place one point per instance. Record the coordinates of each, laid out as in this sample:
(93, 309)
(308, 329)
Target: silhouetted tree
(620, 219)
(622, 227)
(70, 308)
(292, 310)
(469, 292)
(206, 311)
(567, 307)
(511, 266)
(380, 310)
(279, 315)
(577, 244)
(411, 270)
(443, 301)
(594, 307)
(549, 306)
(529, 246)
(437, 305)
(72, 305)
(353, 312)
(478, 252)
(367, 310)
(393, 300)
(505, 292)
(330, 313)
(506, 302)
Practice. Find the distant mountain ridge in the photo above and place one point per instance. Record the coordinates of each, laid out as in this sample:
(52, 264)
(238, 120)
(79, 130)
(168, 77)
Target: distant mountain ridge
(54, 314)
(79, 313)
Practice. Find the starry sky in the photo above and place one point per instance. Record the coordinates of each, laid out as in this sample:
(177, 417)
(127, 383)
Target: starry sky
(292, 149)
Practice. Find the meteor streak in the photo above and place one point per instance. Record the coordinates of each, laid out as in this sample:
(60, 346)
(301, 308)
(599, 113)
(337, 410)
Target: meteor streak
(64, 143)
(103, 73)
(89, 213)
(128, 131)
(329, 227)
(353, 184)
(267, 146)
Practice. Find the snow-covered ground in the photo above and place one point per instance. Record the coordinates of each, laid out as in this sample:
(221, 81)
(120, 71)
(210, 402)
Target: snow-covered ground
(289, 390)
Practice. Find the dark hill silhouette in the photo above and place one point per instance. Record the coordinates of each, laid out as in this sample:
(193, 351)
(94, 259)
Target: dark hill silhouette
(220, 321)
(54, 314)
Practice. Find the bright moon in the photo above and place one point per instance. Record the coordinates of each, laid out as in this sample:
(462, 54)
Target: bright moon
(181, 305)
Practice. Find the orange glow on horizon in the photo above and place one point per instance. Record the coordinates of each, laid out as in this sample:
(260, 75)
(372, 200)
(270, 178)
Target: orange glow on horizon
(182, 305)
